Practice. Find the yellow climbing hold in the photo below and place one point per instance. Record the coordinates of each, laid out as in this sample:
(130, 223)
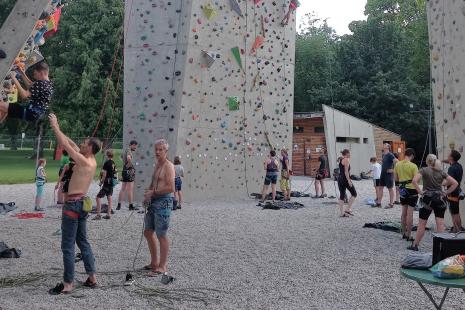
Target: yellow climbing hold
(209, 11)
(435, 56)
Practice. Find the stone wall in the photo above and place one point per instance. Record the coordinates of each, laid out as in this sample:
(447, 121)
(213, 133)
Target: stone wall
(192, 76)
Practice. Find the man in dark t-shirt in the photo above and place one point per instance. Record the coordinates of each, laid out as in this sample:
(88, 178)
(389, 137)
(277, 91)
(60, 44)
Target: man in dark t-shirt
(107, 175)
(455, 171)
(39, 94)
(387, 174)
(321, 174)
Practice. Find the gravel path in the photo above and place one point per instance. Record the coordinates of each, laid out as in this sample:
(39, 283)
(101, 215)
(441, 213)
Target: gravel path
(255, 259)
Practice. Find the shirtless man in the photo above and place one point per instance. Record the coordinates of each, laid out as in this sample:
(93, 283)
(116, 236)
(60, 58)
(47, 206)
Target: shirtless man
(159, 196)
(73, 223)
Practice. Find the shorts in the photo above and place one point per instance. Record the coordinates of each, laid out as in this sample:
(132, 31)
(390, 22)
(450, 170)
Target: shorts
(377, 182)
(106, 190)
(343, 185)
(40, 188)
(321, 174)
(429, 206)
(23, 112)
(285, 182)
(454, 205)
(387, 180)
(158, 214)
(178, 184)
(271, 179)
(410, 199)
(128, 175)
(60, 171)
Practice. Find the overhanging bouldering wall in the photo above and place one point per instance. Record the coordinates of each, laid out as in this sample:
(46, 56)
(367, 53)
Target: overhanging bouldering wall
(215, 78)
(446, 22)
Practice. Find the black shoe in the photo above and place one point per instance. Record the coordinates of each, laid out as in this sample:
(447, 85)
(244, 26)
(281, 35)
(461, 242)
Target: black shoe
(413, 248)
(118, 207)
(2, 54)
(132, 208)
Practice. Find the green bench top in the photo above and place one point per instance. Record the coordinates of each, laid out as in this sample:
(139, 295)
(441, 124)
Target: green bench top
(426, 276)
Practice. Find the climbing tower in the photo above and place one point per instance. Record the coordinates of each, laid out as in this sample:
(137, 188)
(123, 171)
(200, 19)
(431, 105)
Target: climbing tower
(214, 78)
(446, 20)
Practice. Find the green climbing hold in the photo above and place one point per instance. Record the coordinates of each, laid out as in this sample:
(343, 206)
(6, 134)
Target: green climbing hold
(237, 55)
(233, 103)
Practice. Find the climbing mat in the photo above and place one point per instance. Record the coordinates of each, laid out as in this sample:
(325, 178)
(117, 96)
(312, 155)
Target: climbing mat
(446, 21)
(214, 78)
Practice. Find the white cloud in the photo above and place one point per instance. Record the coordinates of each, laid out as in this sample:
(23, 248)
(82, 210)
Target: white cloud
(338, 12)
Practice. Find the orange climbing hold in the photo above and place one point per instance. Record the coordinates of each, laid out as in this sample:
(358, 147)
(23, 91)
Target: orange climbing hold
(259, 40)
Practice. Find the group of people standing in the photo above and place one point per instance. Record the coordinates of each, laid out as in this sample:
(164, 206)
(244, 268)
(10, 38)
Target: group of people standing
(78, 170)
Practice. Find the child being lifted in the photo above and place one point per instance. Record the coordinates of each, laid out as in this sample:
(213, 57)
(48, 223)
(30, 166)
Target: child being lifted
(38, 92)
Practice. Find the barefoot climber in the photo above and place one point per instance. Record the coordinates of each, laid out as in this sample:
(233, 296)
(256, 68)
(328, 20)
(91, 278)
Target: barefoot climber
(73, 223)
(160, 198)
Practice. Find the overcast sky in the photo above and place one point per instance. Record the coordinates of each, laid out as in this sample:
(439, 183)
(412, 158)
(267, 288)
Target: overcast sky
(339, 12)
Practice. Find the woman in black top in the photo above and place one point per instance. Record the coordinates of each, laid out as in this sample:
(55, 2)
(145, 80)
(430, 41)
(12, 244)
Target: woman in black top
(345, 183)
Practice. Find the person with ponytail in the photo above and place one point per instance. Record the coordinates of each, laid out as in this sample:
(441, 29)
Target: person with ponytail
(434, 199)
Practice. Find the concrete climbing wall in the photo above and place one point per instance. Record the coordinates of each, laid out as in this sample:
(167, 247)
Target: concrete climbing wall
(216, 79)
(446, 20)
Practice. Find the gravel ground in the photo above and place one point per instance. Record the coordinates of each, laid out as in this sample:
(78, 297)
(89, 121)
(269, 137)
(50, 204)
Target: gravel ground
(229, 254)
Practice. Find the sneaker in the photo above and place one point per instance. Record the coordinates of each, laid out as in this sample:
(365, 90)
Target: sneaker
(129, 280)
(118, 207)
(40, 209)
(413, 248)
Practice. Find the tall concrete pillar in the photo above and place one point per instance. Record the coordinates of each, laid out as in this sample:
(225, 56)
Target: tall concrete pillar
(446, 21)
(17, 29)
(214, 78)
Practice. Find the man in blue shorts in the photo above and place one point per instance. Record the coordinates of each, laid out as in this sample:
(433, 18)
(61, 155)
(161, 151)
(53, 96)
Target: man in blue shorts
(159, 198)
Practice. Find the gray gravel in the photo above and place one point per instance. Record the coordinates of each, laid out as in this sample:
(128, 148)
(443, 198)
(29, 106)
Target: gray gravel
(257, 259)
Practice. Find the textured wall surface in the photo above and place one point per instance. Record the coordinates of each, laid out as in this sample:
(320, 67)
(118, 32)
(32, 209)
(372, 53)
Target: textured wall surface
(192, 76)
(446, 20)
(339, 124)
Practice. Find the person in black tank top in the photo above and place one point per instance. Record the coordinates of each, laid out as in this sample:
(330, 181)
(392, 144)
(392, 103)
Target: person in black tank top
(271, 166)
(345, 183)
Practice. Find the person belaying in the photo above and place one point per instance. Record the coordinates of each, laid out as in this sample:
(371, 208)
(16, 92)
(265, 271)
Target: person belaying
(434, 199)
(271, 166)
(456, 171)
(387, 174)
(285, 182)
(128, 176)
(76, 209)
(159, 199)
(39, 93)
(404, 172)
(293, 5)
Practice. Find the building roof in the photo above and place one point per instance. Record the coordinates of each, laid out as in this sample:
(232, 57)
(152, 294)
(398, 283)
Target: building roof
(303, 115)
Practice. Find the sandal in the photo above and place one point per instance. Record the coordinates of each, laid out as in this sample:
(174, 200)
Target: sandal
(90, 284)
(97, 218)
(148, 267)
(107, 217)
(389, 206)
(344, 215)
(349, 212)
(58, 290)
(154, 273)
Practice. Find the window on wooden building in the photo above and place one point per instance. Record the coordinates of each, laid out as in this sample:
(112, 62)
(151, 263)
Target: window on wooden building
(347, 140)
(298, 129)
(319, 129)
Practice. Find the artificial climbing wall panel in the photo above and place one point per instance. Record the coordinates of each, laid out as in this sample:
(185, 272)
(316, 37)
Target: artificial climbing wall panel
(446, 19)
(232, 88)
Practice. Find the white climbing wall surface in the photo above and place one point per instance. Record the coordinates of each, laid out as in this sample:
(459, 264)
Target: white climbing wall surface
(215, 78)
(446, 20)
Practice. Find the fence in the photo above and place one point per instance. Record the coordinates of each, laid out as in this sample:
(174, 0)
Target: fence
(13, 142)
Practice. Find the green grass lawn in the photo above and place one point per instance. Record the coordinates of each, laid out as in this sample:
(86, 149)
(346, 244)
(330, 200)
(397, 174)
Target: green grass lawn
(17, 168)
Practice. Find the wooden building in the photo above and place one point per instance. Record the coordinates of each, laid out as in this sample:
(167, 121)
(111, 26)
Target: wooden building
(334, 131)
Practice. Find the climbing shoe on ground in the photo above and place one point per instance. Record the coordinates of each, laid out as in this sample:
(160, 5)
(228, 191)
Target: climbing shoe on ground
(39, 209)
